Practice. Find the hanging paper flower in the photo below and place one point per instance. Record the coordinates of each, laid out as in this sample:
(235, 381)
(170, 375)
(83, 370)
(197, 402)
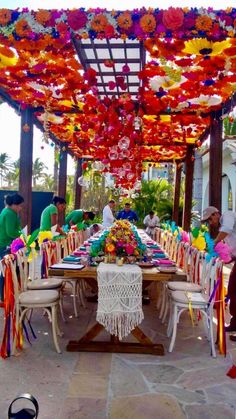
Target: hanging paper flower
(173, 18)
(5, 16)
(202, 46)
(165, 83)
(203, 23)
(199, 243)
(99, 22)
(148, 23)
(42, 16)
(16, 245)
(77, 19)
(7, 57)
(224, 252)
(206, 100)
(22, 28)
(124, 20)
(44, 236)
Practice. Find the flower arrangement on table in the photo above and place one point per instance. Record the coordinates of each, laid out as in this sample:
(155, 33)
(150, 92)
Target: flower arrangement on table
(122, 240)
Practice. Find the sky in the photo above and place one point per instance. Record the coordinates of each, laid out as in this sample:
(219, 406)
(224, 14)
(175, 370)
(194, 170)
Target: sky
(10, 121)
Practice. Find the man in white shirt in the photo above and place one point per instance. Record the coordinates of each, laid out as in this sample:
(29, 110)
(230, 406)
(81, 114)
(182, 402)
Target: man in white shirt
(151, 221)
(107, 214)
(227, 232)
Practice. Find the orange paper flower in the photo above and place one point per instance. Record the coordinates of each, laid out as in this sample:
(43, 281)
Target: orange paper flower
(99, 23)
(148, 23)
(203, 23)
(5, 16)
(42, 16)
(124, 20)
(173, 18)
(22, 28)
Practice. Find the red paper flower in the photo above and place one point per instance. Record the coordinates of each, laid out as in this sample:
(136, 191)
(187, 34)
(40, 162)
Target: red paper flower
(173, 18)
(77, 19)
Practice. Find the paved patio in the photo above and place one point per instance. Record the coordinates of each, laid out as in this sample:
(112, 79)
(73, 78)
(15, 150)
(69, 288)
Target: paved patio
(185, 384)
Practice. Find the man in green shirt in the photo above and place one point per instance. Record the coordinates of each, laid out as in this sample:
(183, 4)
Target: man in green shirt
(49, 216)
(10, 227)
(79, 217)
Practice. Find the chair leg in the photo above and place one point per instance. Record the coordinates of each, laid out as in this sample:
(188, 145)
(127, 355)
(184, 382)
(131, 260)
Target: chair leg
(61, 310)
(166, 309)
(54, 328)
(159, 291)
(163, 295)
(74, 290)
(170, 322)
(174, 331)
(211, 333)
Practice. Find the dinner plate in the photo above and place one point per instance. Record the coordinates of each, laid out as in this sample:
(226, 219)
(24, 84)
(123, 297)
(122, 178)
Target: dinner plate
(167, 269)
(145, 265)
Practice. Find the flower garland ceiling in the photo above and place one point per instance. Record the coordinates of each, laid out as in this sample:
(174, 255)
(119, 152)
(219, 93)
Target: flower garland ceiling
(188, 76)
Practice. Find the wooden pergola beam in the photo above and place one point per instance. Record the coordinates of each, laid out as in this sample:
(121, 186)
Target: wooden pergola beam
(177, 184)
(189, 168)
(78, 188)
(26, 161)
(215, 164)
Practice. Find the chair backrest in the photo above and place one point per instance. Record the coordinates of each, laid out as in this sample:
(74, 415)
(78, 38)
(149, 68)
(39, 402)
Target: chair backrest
(22, 263)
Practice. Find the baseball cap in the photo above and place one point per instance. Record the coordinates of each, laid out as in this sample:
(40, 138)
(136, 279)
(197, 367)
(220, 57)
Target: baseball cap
(207, 212)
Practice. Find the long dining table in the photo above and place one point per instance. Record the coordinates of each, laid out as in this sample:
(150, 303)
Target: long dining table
(144, 343)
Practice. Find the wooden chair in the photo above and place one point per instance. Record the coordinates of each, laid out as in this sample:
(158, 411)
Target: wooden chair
(26, 300)
(183, 300)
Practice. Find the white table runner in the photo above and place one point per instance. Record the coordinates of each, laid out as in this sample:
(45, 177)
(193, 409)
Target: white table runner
(119, 298)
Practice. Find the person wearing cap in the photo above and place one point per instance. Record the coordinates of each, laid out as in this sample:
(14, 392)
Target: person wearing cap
(226, 225)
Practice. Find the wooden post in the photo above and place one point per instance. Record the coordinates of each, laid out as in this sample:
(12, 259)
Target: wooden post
(78, 188)
(62, 181)
(188, 189)
(215, 164)
(26, 162)
(175, 213)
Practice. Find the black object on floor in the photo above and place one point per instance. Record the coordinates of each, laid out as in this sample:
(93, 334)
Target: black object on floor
(92, 298)
(25, 413)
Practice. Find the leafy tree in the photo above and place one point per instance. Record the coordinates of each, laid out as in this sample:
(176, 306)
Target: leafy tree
(38, 171)
(5, 166)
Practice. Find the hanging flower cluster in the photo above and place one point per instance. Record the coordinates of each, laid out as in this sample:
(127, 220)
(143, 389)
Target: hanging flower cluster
(138, 23)
(191, 73)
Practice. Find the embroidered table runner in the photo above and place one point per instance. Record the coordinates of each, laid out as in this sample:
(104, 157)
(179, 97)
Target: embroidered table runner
(119, 298)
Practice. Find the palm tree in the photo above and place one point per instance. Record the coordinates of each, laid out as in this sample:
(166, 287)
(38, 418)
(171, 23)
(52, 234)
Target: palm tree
(5, 165)
(48, 183)
(38, 171)
(153, 193)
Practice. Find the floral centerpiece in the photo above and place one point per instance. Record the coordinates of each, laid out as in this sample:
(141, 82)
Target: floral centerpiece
(123, 241)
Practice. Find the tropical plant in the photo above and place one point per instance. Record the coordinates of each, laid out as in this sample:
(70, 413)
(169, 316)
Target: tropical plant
(151, 196)
(230, 127)
(38, 171)
(5, 166)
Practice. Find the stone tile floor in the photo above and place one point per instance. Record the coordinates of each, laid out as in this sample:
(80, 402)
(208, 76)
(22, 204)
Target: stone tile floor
(187, 383)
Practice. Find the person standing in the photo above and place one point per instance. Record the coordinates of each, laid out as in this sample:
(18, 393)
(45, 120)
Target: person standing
(226, 225)
(49, 216)
(10, 227)
(79, 217)
(127, 214)
(151, 221)
(107, 214)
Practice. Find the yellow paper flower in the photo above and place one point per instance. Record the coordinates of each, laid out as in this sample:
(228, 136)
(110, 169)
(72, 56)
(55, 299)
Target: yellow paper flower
(199, 243)
(44, 235)
(201, 46)
(7, 57)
